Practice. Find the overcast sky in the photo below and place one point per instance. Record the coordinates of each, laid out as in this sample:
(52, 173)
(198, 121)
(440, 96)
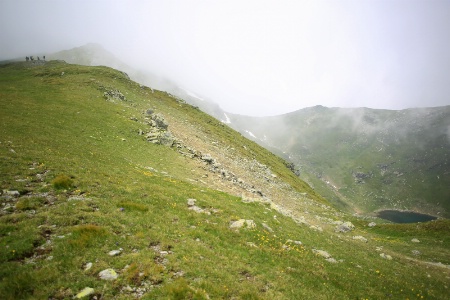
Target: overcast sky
(257, 57)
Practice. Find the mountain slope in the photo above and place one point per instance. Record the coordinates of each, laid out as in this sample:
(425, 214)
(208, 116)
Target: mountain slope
(366, 159)
(92, 162)
(96, 55)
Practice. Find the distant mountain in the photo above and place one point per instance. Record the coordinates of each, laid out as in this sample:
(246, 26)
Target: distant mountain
(365, 159)
(95, 55)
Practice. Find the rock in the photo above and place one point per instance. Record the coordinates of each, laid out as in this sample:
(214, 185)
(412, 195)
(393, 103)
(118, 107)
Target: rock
(11, 193)
(159, 121)
(294, 242)
(414, 240)
(267, 227)
(237, 224)
(114, 252)
(250, 223)
(191, 202)
(415, 252)
(331, 260)
(253, 245)
(207, 158)
(240, 223)
(198, 209)
(108, 274)
(85, 292)
(386, 256)
(315, 227)
(322, 253)
(360, 238)
(344, 227)
(372, 224)
(88, 266)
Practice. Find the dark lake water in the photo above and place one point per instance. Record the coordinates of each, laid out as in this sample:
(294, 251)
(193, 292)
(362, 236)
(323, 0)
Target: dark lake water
(404, 216)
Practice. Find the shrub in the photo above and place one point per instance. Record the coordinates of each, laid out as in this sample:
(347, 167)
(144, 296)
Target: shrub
(62, 182)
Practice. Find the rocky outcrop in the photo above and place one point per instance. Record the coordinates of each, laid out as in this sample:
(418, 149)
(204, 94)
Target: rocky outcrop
(158, 132)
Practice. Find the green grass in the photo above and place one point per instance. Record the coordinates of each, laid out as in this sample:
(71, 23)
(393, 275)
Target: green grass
(52, 124)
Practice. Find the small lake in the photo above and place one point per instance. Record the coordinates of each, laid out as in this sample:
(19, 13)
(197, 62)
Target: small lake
(397, 216)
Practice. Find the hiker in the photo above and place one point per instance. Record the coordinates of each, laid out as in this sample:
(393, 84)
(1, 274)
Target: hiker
(31, 58)
(44, 57)
(38, 58)
(27, 58)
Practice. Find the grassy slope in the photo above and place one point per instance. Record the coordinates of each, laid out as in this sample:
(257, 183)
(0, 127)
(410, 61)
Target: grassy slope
(52, 124)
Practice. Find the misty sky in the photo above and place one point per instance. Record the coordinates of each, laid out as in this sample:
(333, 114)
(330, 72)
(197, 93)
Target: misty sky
(257, 57)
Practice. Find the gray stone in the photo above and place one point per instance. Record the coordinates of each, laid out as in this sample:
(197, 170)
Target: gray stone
(386, 256)
(84, 293)
(414, 240)
(108, 274)
(294, 242)
(88, 266)
(267, 227)
(241, 223)
(360, 238)
(372, 224)
(114, 252)
(344, 227)
(191, 202)
(159, 121)
(322, 253)
(207, 158)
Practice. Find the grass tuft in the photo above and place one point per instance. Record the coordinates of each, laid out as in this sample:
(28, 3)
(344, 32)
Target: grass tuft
(62, 182)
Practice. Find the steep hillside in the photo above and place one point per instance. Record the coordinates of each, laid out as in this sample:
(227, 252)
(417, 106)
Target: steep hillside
(365, 159)
(96, 55)
(113, 190)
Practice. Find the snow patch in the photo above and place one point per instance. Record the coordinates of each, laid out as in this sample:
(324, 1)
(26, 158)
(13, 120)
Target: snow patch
(251, 134)
(227, 119)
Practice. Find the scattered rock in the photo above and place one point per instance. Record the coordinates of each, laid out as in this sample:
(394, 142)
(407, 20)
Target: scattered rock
(85, 292)
(386, 256)
(253, 245)
(192, 206)
(414, 240)
(316, 227)
(88, 266)
(11, 193)
(331, 260)
(294, 242)
(240, 223)
(115, 252)
(267, 227)
(345, 227)
(360, 238)
(415, 252)
(108, 274)
(372, 224)
(322, 253)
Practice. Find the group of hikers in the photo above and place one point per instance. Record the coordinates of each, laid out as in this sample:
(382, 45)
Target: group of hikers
(32, 58)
